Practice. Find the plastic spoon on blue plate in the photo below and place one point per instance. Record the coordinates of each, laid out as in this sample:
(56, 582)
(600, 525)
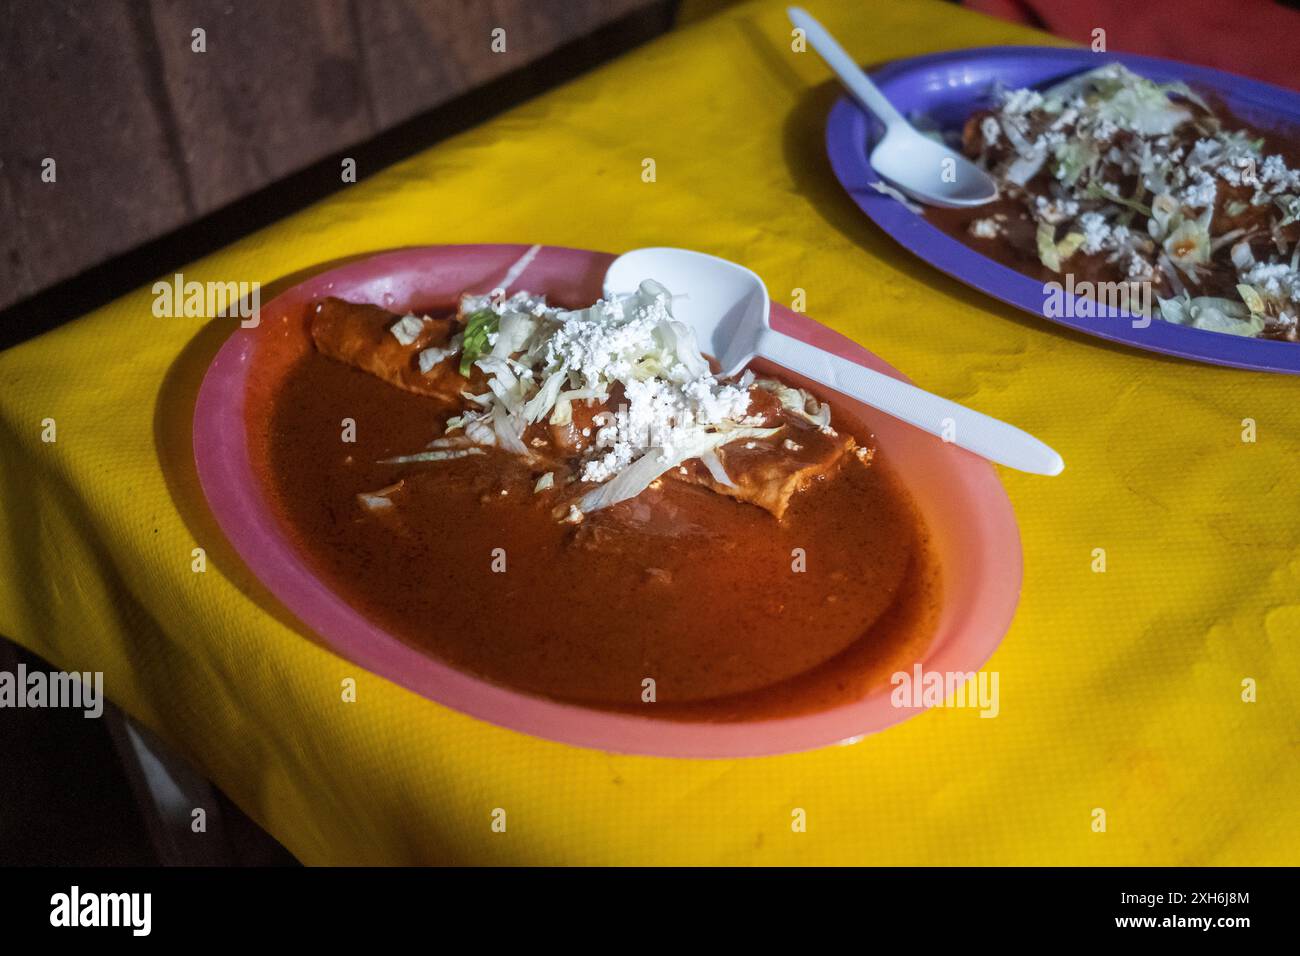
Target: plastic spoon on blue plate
(910, 161)
(728, 308)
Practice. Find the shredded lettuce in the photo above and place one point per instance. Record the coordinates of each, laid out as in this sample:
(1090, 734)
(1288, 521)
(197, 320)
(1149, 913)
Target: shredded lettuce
(797, 401)
(1127, 100)
(1212, 314)
(1253, 300)
(478, 327)
(538, 361)
(1097, 190)
(442, 454)
(1046, 241)
(714, 464)
(638, 476)
(1072, 158)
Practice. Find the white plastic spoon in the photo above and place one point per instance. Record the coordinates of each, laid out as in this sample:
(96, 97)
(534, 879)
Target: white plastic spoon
(728, 308)
(927, 171)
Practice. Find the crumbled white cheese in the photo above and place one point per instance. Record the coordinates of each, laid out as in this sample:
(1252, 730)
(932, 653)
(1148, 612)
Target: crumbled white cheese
(1139, 268)
(1202, 191)
(1096, 231)
(1021, 101)
(1276, 281)
(1276, 177)
(604, 344)
(408, 328)
(671, 407)
(990, 130)
(1104, 131)
(1055, 211)
(428, 358)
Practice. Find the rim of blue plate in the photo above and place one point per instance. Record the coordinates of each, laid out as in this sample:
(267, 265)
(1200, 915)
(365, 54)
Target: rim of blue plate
(913, 85)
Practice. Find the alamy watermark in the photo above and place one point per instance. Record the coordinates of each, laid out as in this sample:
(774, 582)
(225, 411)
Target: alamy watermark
(181, 298)
(922, 688)
(132, 911)
(83, 690)
(1089, 300)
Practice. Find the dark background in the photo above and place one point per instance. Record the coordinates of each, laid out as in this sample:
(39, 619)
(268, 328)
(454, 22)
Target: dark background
(164, 154)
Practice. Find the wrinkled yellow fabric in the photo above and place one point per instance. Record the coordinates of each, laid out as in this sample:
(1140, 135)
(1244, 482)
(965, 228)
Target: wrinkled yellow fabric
(1120, 691)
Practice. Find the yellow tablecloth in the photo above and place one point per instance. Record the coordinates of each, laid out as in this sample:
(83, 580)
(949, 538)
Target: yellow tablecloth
(1119, 690)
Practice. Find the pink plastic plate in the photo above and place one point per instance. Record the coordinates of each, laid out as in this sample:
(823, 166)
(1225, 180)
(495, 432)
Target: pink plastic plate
(971, 522)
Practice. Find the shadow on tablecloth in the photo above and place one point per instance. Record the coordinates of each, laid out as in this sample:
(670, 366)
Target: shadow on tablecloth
(173, 441)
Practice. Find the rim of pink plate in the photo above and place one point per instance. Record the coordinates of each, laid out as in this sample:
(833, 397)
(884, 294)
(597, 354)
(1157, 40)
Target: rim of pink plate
(976, 538)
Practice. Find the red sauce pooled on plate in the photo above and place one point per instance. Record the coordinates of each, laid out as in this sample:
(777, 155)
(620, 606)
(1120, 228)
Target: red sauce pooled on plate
(687, 587)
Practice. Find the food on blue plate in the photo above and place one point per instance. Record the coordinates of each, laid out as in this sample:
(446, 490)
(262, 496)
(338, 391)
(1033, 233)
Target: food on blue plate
(571, 503)
(1111, 177)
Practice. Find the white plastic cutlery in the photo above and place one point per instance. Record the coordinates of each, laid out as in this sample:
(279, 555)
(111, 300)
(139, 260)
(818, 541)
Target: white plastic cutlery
(728, 308)
(922, 168)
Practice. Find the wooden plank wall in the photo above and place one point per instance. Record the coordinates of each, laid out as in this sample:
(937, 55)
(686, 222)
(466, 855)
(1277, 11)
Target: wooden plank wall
(148, 134)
